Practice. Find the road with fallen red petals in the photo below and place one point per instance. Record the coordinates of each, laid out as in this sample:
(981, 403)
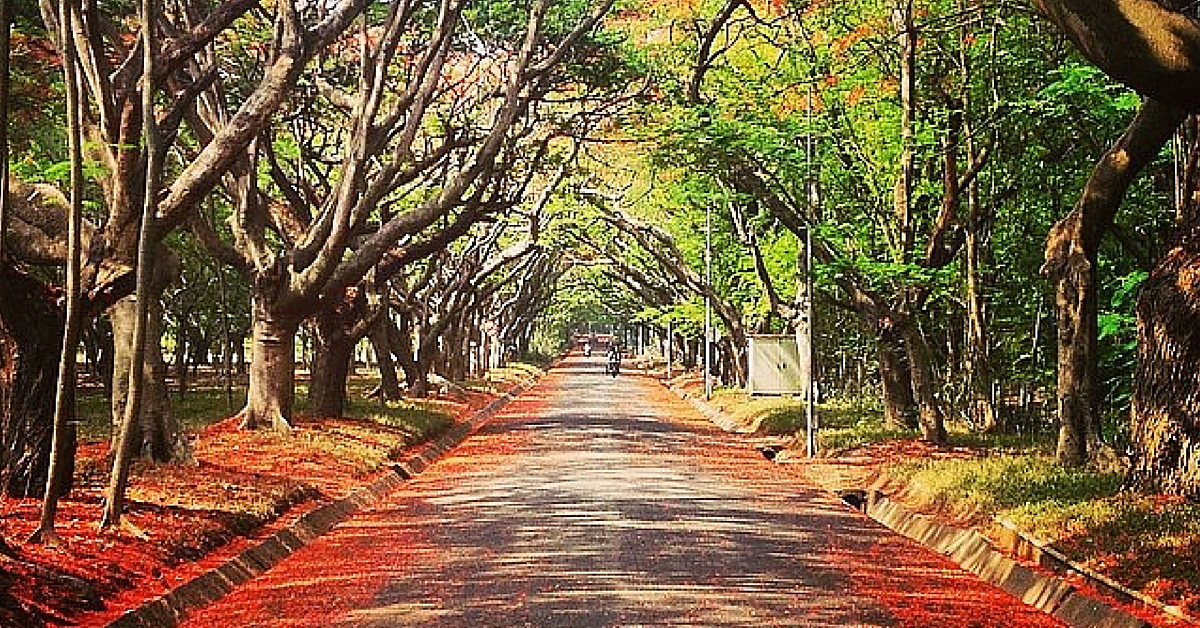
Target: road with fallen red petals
(592, 501)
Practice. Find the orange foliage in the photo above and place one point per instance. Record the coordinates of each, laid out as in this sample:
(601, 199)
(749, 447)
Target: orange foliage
(855, 95)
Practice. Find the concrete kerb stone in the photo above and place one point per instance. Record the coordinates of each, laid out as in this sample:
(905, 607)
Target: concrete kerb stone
(167, 610)
(1019, 543)
(975, 553)
(1081, 610)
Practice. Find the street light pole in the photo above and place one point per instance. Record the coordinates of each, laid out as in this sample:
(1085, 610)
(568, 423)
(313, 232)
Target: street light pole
(707, 301)
(810, 401)
(670, 347)
(810, 397)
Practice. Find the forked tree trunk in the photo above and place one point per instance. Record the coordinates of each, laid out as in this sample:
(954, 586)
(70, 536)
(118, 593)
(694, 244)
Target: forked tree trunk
(271, 395)
(30, 330)
(1072, 250)
(1166, 418)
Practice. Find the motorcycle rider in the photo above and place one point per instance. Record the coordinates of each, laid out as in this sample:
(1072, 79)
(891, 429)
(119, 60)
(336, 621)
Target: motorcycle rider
(613, 364)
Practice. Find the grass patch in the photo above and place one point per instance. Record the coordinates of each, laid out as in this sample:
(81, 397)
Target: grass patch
(418, 420)
(846, 423)
(1148, 542)
(1003, 485)
(501, 380)
(865, 432)
(196, 409)
(765, 415)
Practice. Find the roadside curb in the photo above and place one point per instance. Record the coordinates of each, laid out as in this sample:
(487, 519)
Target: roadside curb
(168, 610)
(977, 554)
(720, 419)
(1017, 542)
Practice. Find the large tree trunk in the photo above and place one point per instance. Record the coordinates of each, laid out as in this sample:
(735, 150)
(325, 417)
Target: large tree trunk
(920, 368)
(1166, 418)
(271, 395)
(30, 340)
(331, 365)
(1078, 394)
(899, 408)
(1147, 45)
(157, 433)
(1072, 250)
(380, 336)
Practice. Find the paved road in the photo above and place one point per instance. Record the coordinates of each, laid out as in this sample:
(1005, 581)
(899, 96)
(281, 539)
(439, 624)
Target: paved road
(593, 502)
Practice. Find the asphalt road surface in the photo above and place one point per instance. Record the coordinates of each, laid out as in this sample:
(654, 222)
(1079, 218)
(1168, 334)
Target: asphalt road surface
(596, 501)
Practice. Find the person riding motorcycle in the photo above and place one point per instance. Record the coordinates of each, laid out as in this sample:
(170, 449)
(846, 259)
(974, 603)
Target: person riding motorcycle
(612, 365)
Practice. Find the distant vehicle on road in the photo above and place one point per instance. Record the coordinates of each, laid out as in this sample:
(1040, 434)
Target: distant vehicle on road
(612, 365)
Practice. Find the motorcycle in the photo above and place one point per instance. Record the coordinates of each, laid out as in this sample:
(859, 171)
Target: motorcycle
(613, 365)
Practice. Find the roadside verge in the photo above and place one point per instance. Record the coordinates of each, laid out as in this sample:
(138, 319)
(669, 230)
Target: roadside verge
(995, 563)
(169, 609)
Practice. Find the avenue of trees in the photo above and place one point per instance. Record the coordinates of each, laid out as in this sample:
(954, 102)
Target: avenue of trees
(999, 197)
(1001, 200)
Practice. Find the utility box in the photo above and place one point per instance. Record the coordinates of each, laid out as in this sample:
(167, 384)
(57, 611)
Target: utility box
(775, 366)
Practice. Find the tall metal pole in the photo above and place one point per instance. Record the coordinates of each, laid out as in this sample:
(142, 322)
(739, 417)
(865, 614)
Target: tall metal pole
(810, 397)
(670, 346)
(707, 302)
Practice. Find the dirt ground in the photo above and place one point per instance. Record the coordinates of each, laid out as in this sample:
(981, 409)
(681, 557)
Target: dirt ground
(185, 518)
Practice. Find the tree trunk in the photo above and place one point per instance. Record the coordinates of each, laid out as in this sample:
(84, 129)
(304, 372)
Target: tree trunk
(902, 20)
(1072, 250)
(978, 348)
(181, 356)
(380, 336)
(158, 434)
(1165, 418)
(30, 328)
(331, 366)
(899, 408)
(271, 394)
(929, 411)
(1078, 396)
(415, 379)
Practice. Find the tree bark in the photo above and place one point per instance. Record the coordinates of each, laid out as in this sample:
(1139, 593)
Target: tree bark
(271, 394)
(1141, 43)
(929, 412)
(1165, 419)
(1072, 250)
(899, 408)
(331, 363)
(158, 434)
(30, 339)
(380, 336)
(404, 348)
(330, 372)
